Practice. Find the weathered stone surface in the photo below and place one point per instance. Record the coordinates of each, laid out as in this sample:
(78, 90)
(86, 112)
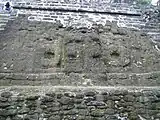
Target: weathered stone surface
(6, 94)
(24, 111)
(130, 106)
(10, 112)
(66, 101)
(46, 99)
(97, 113)
(55, 117)
(129, 98)
(4, 104)
(32, 97)
(44, 47)
(97, 55)
(110, 111)
(52, 94)
(3, 99)
(90, 93)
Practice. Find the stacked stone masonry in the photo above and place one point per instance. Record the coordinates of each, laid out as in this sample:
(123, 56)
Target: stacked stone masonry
(32, 103)
(68, 65)
(88, 5)
(85, 18)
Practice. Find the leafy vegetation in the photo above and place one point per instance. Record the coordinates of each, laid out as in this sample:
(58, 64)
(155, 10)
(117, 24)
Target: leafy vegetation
(143, 2)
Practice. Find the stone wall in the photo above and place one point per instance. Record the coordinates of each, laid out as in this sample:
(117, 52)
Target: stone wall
(89, 12)
(97, 7)
(83, 19)
(85, 13)
(89, 5)
(79, 58)
(39, 53)
(33, 103)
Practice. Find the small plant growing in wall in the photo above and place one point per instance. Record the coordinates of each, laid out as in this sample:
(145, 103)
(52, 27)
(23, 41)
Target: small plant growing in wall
(144, 2)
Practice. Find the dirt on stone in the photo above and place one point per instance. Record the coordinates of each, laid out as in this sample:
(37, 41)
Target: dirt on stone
(46, 47)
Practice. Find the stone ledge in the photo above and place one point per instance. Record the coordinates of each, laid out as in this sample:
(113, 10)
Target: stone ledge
(77, 10)
(77, 88)
(108, 79)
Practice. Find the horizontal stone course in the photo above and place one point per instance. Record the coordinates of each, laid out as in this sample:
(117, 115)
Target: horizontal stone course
(109, 79)
(97, 6)
(101, 18)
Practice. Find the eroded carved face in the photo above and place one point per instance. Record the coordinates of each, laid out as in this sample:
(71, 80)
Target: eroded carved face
(83, 52)
(92, 51)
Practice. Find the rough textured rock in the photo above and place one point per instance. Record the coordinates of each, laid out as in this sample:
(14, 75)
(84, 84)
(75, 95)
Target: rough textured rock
(138, 103)
(85, 55)
(36, 53)
(31, 46)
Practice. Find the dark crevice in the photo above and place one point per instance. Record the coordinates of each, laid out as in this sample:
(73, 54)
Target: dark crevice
(78, 41)
(48, 39)
(79, 10)
(115, 54)
(59, 63)
(71, 56)
(49, 54)
(97, 56)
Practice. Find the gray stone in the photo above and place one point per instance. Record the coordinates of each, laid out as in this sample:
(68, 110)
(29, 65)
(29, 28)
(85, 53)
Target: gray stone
(129, 98)
(81, 106)
(51, 94)
(6, 94)
(66, 101)
(78, 101)
(83, 112)
(88, 99)
(9, 112)
(122, 31)
(2, 118)
(68, 107)
(3, 99)
(32, 97)
(45, 99)
(69, 94)
(110, 111)
(95, 103)
(114, 30)
(23, 111)
(111, 118)
(4, 104)
(31, 117)
(90, 93)
(97, 113)
(70, 112)
(53, 109)
(79, 95)
(56, 117)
